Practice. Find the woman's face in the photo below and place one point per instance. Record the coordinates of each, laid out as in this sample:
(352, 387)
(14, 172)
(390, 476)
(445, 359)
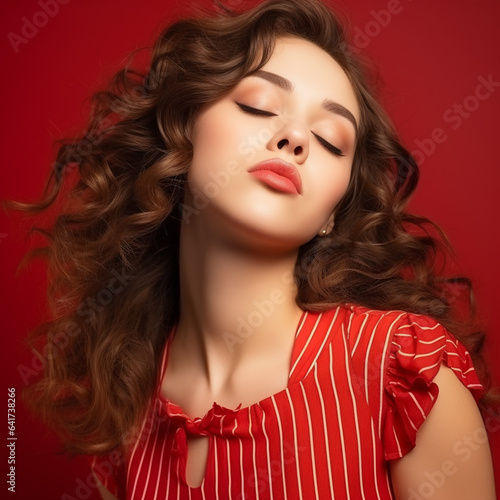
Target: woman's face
(273, 157)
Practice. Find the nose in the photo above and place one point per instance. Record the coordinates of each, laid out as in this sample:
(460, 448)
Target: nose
(293, 139)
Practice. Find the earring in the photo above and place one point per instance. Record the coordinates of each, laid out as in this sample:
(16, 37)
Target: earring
(323, 233)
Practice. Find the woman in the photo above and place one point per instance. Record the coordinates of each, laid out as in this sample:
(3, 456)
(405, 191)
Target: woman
(246, 311)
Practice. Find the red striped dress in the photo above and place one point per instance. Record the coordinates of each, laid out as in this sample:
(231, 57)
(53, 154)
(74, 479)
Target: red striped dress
(360, 385)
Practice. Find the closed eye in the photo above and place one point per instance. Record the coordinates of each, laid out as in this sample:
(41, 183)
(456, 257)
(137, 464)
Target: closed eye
(260, 112)
(254, 111)
(329, 147)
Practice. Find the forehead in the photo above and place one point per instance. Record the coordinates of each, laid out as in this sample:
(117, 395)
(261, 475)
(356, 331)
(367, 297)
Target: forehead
(312, 72)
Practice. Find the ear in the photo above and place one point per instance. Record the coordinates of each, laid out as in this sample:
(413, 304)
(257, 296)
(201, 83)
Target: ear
(327, 226)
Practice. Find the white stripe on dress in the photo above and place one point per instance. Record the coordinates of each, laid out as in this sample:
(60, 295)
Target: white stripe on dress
(360, 333)
(214, 444)
(311, 440)
(169, 474)
(165, 435)
(355, 411)
(139, 468)
(416, 403)
(382, 371)
(339, 420)
(292, 411)
(155, 441)
(281, 444)
(374, 455)
(327, 336)
(311, 335)
(396, 439)
(325, 429)
(410, 420)
(254, 450)
(382, 382)
(268, 452)
(410, 325)
(425, 355)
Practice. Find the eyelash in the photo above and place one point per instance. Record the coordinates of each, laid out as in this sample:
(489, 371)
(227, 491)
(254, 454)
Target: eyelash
(254, 111)
(330, 147)
(259, 112)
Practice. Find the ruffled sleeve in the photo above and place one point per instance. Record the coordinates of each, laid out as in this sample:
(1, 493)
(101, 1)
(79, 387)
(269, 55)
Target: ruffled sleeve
(110, 470)
(419, 346)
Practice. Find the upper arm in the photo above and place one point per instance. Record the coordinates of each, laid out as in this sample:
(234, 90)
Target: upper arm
(452, 457)
(105, 494)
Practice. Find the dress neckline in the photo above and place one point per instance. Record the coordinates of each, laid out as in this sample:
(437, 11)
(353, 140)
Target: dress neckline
(211, 422)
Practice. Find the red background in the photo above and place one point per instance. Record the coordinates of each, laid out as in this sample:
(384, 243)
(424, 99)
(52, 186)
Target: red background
(430, 55)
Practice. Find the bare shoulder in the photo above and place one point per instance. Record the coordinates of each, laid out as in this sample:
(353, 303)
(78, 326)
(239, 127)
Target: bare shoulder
(105, 494)
(452, 456)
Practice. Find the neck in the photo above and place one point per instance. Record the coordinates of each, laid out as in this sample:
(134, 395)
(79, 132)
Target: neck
(235, 304)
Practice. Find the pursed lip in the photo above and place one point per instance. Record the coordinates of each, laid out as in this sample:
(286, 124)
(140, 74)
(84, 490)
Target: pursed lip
(281, 168)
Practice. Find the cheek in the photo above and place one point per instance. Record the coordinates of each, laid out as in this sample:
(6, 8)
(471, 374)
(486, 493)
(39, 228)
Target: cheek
(210, 149)
(210, 139)
(331, 188)
(218, 138)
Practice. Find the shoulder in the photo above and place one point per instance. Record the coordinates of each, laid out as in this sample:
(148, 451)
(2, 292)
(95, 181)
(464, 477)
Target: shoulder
(373, 339)
(393, 344)
(408, 346)
(390, 316)
(357, 315)
(375, 330)
(366, 326)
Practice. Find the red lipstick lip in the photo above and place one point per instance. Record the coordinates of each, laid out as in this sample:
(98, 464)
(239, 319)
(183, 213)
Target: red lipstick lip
(282, 169)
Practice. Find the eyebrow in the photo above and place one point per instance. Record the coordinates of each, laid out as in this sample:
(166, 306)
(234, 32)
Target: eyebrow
(327, 104)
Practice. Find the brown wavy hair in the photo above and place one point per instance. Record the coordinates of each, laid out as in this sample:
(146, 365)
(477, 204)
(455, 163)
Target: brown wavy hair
(113, 246)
